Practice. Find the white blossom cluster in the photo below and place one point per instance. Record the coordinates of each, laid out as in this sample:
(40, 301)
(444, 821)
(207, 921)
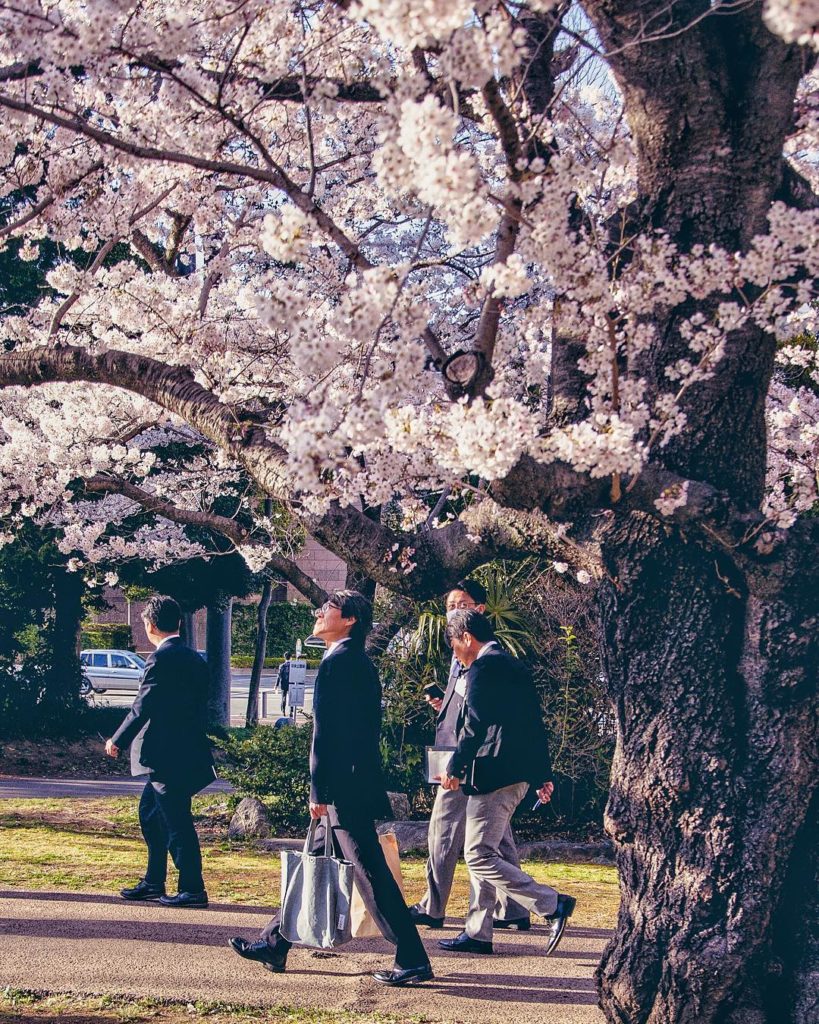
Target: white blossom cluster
(296, 254)
(794, 20)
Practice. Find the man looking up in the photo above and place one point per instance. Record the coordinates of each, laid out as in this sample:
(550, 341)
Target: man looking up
(502, 750)
(347, 789)
(166, 728)
(447, 822)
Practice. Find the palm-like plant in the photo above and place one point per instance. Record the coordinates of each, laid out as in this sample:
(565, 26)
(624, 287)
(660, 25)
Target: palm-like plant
(502, 581)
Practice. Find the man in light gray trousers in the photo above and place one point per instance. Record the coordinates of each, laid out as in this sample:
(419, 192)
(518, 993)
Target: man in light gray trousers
(447, 825)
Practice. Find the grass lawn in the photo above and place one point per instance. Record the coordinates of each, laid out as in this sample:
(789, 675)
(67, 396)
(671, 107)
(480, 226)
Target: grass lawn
(29, 1007)
(95, 845)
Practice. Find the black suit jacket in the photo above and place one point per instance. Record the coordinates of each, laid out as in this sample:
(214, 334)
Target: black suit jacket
(166, 725)
(345, 757)
(501, 739)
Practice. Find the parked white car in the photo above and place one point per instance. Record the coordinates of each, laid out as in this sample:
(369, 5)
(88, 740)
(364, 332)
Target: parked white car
(110, 670)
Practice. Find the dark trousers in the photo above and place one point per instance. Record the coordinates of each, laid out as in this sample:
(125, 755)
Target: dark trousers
(284, 698)
(167, 826)
(355, 837)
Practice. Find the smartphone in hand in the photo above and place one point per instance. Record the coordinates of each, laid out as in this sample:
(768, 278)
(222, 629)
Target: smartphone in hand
(433, 691)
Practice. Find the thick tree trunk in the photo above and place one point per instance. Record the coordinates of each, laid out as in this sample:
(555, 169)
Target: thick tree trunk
(63, 685)
(712, 673)
(218, 647)
(252, 714)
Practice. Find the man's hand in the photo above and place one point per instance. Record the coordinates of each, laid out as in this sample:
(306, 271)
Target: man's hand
(448, 782)
(317, 810)
(436, 703)
(545, 792)
(111, 749)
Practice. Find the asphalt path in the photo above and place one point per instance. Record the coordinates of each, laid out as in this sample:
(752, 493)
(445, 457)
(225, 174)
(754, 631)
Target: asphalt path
(13, 787)
(96, 943)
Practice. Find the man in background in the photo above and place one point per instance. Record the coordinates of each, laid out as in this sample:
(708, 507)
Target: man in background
(166, 728)
(447, 823)
(283, 680)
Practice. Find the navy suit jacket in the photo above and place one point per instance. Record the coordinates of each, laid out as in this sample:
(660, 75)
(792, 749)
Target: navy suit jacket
(166, 726)
(345, 757)
(501, 738)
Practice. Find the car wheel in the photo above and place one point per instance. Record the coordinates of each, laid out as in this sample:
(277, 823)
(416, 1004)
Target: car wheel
(85, 686)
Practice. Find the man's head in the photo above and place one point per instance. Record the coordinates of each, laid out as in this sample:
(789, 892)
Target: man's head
(346, 613)
(464, 595)
(161, 617)
(467, 631)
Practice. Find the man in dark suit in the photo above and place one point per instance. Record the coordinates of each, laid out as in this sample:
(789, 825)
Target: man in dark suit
(347, 788)
(283, 680)
(501, 751)
(166, 730)
(447, 823)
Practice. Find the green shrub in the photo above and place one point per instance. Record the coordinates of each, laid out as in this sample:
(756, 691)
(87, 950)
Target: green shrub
(274, 766)
(115, 635)
(286, 623)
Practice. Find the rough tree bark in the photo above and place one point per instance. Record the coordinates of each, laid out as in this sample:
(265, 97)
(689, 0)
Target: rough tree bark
(218, 647)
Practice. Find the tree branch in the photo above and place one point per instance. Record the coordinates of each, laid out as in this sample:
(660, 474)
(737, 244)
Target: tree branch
(223, 525)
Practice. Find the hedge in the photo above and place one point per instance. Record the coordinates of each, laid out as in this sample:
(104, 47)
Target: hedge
(286, 623)
(115, 635)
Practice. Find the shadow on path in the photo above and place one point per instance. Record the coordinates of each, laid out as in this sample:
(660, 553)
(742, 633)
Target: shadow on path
(89, 897)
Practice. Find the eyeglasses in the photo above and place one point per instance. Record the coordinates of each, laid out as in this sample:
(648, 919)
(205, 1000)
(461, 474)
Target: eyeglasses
(325, 608)
(460, 606)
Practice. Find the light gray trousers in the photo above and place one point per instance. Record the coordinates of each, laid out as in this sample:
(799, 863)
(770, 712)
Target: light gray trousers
(447, 827)
(491, 873)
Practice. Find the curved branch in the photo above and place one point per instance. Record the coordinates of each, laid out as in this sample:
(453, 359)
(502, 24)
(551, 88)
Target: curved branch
(229, 528)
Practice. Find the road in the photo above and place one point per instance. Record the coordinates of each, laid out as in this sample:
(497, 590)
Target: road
(97, 943)
(240, 684)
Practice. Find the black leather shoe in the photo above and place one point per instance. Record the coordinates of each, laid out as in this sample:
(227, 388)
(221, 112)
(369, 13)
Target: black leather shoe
(143, 891)
(185, 899)
(408, 976)
(261, 953)
(557, 922)
(465, 944)
(516, 924)
(419, 917)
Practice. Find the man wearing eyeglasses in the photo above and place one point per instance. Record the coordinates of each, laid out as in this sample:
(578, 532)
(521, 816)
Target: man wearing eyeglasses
(347, 788)
(447, 823)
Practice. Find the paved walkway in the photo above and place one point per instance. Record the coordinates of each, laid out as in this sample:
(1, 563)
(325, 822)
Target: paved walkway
(97, 943)
(15, 787)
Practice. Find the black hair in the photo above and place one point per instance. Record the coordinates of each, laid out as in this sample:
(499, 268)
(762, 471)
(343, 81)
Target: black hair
(163, 613)
(467, 620)
(352, 604)
(476, 590)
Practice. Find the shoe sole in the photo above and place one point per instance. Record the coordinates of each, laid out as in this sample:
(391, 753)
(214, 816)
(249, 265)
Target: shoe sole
(474, 952)
(404, 984)
(571, 903)
(255, 960)
(142, 899)
(185, 906)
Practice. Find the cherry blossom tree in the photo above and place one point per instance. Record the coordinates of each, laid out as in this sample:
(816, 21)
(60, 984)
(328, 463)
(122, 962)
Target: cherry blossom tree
(453, 280)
